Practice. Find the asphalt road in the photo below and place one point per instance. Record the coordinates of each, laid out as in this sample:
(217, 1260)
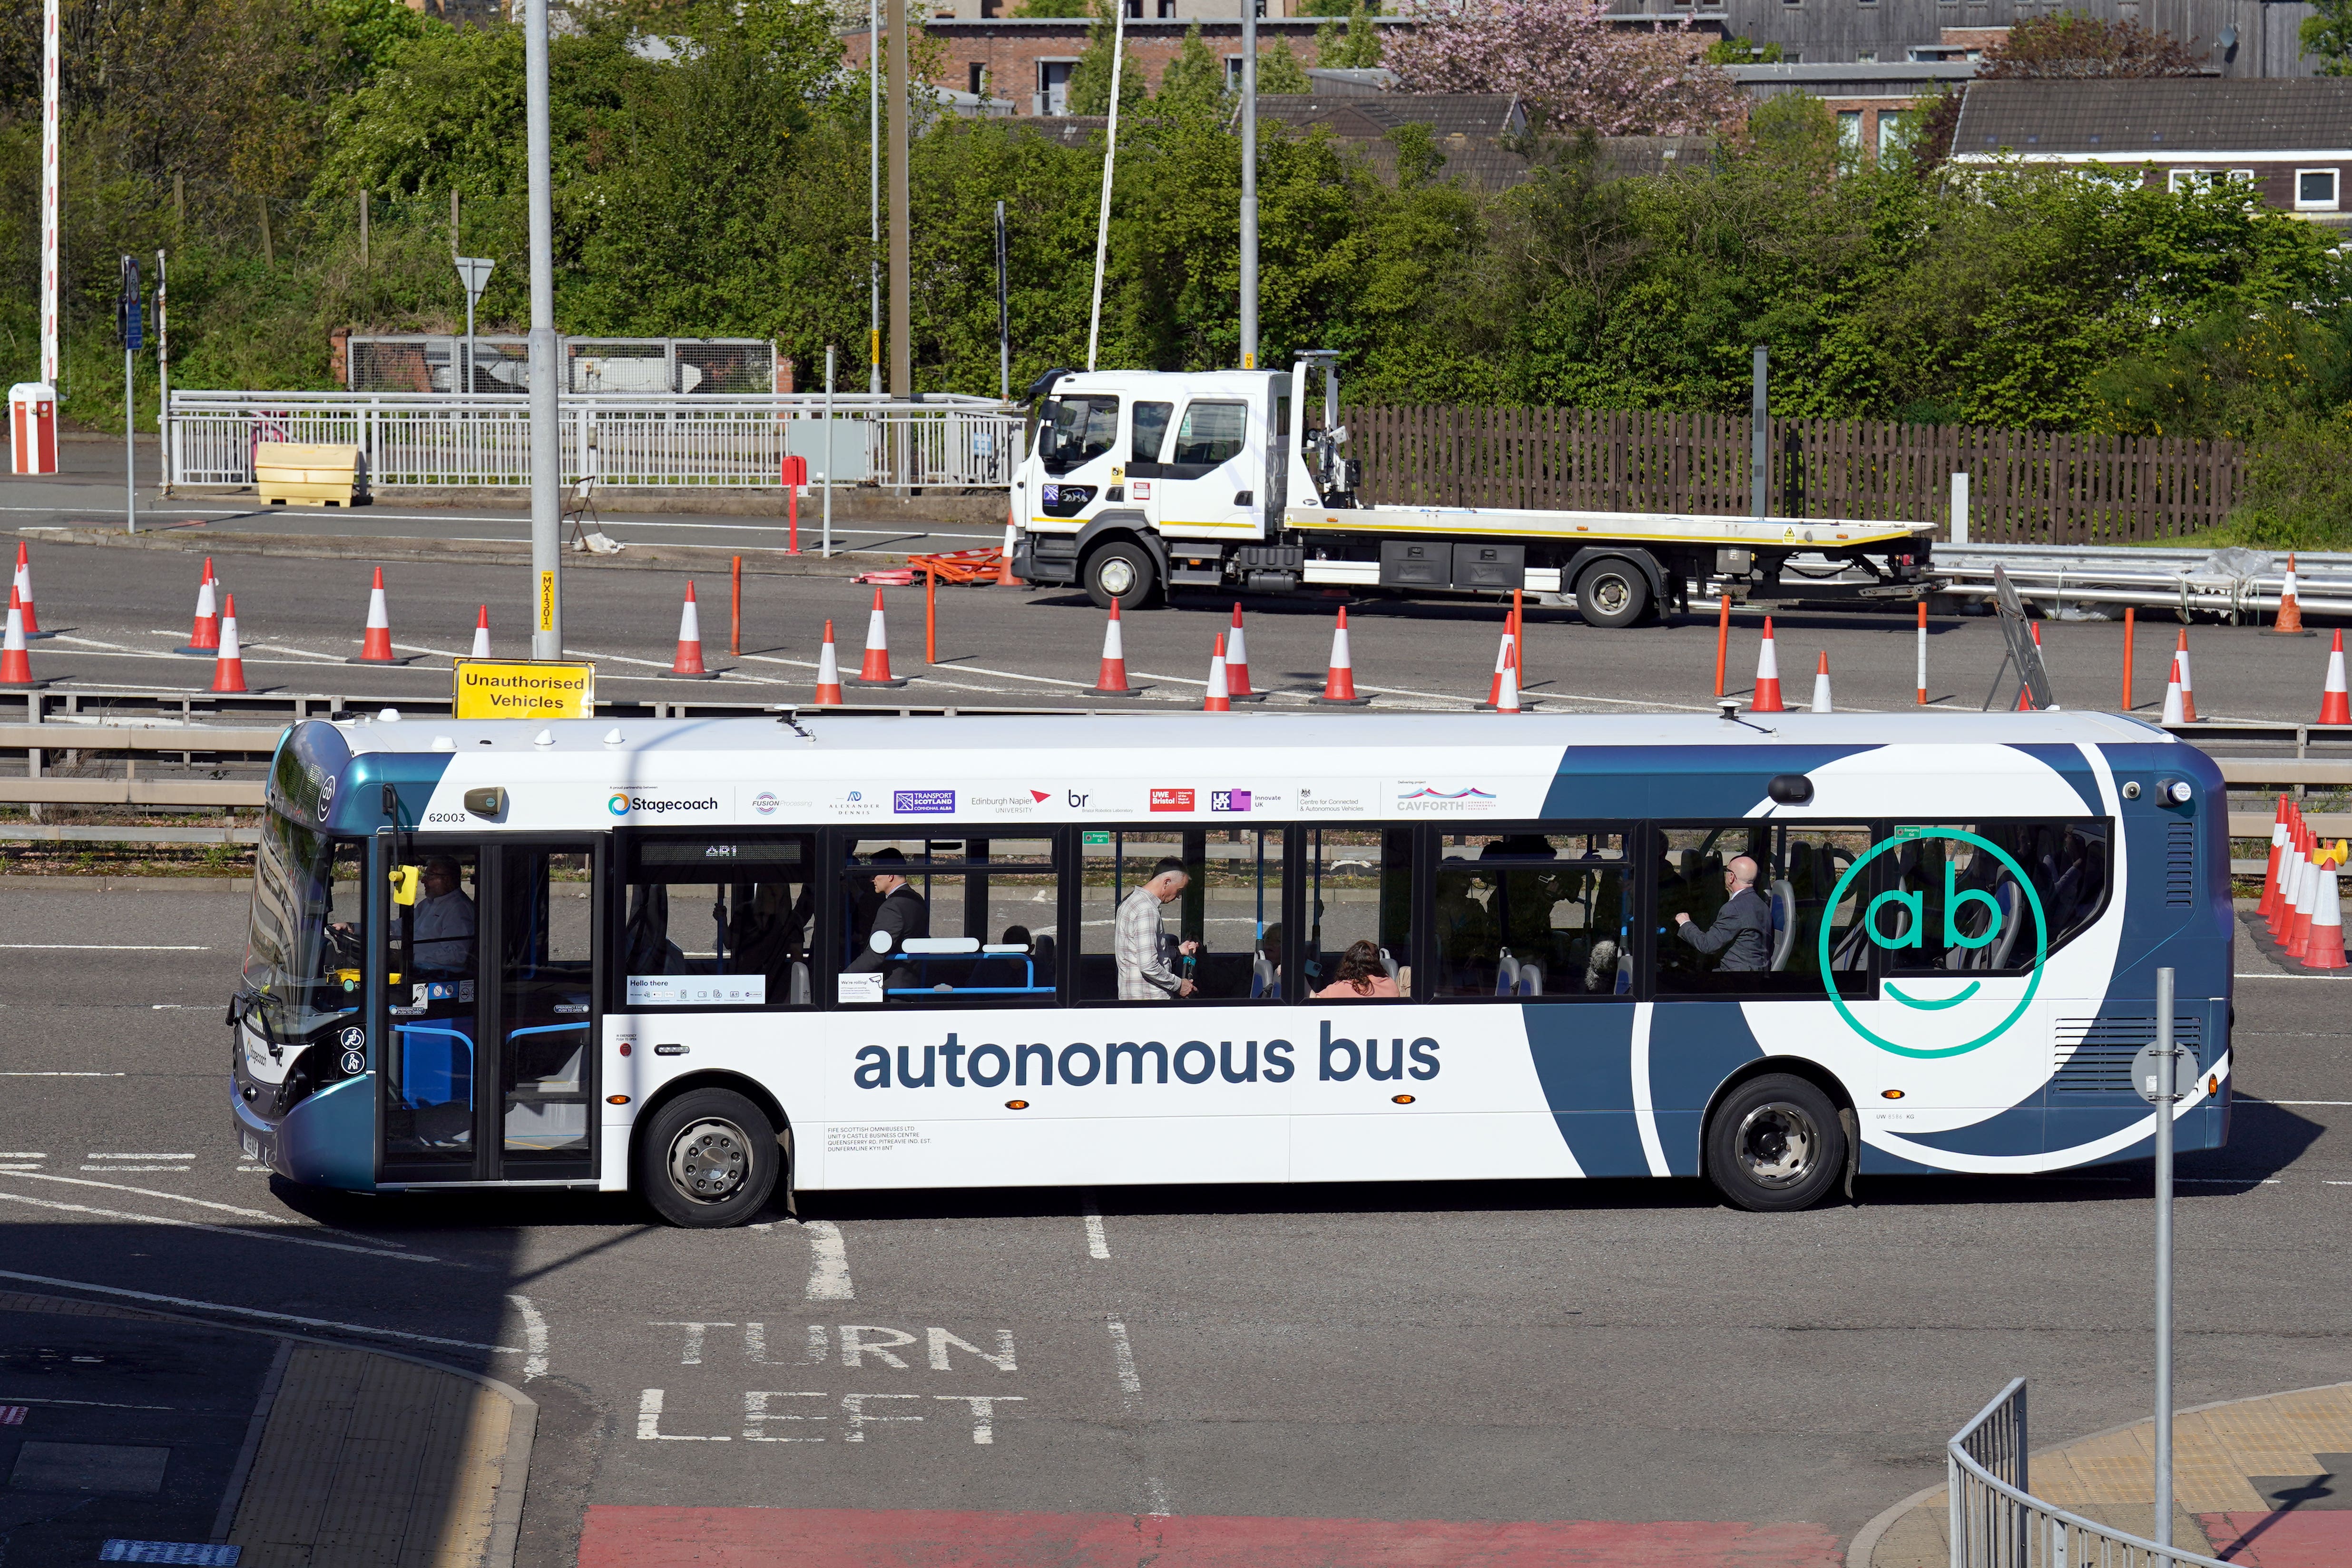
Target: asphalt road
(1611, 1351)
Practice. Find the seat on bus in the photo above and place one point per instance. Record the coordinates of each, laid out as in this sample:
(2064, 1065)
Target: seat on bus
(802, 995)
(1784, 922)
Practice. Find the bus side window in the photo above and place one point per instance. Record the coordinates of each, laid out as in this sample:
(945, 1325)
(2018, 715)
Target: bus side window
(1228, 910)
(1542, 913)
(951, 920)
(1975, 912)
(1740, 907)
(1358, 915)
(720, 919)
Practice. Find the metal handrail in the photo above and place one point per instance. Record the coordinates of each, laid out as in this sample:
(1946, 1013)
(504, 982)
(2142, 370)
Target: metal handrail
(1998, 1524)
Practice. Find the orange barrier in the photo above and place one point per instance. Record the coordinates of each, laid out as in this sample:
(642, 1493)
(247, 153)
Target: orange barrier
(955, 567)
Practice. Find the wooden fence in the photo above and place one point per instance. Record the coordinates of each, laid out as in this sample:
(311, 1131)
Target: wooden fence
(2025, 487)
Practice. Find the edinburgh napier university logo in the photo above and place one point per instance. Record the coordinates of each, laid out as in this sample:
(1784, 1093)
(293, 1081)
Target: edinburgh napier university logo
(1941, 1022)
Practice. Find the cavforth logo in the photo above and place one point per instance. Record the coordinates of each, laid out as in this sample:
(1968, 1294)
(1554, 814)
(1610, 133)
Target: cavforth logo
(1912, 907)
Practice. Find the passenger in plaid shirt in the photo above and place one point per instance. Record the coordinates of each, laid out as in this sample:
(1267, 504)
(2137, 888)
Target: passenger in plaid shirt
(1143, 972)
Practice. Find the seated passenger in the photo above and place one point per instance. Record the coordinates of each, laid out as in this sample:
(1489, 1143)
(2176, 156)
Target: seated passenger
(1742, 931)
(1361, 976)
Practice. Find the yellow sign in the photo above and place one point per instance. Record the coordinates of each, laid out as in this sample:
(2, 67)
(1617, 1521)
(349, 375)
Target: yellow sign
(546, 604)
(525, 688)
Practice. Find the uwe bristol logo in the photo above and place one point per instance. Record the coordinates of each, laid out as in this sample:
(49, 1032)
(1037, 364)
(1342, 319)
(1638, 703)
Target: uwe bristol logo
(1931, 1025)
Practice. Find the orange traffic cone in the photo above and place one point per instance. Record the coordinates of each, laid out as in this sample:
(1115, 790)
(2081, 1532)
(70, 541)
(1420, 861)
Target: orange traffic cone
(2175, 709)
(2282, 917)
(376, 644)
(2267, 908)
(1218, 701)
(1507, 701)
(2335, 706)
(228, 664)
(482, 634)
(876, 670)
(1502, 656)
(2289, 623)
(2297, 939)
(1822, 685)
(25, 593)
(1004, 577)
(687, 665)
(16, 665)
(1767, 677)
(1237, 685)
(1340, 681)
(2325, 948)
(828, 673)
(204, 639)
(1111, 679)
(2187, 687)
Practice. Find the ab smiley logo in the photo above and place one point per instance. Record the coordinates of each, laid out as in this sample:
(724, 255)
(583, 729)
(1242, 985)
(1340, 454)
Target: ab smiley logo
(1941, 1022)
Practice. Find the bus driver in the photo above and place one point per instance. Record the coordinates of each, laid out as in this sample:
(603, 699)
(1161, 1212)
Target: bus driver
(443, 926)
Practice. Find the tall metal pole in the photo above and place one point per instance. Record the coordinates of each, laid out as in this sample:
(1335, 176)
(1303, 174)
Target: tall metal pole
(1249, 185)
(1760, 461)
(1003, 313)
(2167, 1083)
(163, 386)
(546, 437)
(902, 360)
(131, 346)
(874, 194)
(1111, 159)
(52, 217)
(825, 549)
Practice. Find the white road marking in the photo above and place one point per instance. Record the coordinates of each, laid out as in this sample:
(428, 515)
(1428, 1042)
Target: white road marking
(534, 1338)
(2271, 1102)
(257, 1312)
(983, 1412)
(221, 1229)
(23, 1156)
(2275, 974)
(696, 1335)
(1122, 1355)
(940, 1340)
(1097, 1243)
(160, 1168)
(94, 947)
(853, 1409)
(262, 1215)
(64, 1074)
(856, 1347)
(94, 1154)
(756, 1414)
(2228, 1180)
(649, 1414)
(828, 1277)
(86, 1404)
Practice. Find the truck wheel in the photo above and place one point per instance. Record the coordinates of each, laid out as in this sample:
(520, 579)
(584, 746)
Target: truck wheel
(1121, 570)
(1775, 1144)
(709, 1160)
(1611, 593)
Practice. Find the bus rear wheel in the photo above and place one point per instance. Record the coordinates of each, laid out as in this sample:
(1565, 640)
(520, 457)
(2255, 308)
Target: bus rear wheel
(1775, 1144)
(708, 1160)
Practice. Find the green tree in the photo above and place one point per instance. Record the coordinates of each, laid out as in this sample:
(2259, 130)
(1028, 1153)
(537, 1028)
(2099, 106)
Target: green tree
(1734, 50)
(1357, 48)
(2327, 33)
(1194, 81)
(1278, 71)
(1089, 88)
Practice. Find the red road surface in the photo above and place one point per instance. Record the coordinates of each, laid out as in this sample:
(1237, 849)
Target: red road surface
(2293, 1538)
(858, 1538)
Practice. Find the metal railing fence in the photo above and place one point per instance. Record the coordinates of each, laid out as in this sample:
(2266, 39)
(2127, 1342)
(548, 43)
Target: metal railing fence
(655, 442)
(1997, 1523)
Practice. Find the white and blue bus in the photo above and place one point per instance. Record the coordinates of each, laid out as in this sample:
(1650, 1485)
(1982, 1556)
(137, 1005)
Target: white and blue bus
(706, 960)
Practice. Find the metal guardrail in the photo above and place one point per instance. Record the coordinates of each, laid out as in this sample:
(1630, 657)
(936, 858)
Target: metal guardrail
(625, 442)
(1998, 1523)
(2157, 578)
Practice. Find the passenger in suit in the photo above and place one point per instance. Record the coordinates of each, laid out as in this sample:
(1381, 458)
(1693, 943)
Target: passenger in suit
(901, 913)
(1742, 931)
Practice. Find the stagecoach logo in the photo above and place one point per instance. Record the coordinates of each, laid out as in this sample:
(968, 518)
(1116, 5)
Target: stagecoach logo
(622, 803)
(619, 805)
(1936, 1025)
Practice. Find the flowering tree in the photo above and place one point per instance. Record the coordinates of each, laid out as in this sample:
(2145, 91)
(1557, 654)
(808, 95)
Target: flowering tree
(1571, 67)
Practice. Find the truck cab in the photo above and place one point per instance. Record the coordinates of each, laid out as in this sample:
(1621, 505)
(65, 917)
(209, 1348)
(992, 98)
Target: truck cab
(1137, 480)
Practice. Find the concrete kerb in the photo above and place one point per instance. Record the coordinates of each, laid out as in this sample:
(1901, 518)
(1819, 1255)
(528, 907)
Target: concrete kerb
(759, 562)
(1864, 1551)
(508, 1487)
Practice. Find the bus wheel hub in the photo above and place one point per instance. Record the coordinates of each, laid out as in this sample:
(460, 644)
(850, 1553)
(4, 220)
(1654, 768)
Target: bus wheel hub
(1778, 1144)
(709, 1160)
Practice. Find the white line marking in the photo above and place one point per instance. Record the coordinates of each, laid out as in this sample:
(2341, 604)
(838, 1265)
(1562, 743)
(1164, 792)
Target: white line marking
(86, 1404)
(94, 1154)
(183, 1169)
(534, 1338)
(1122, 1355)
(5, 1156)
(94, 947)
(828, 1277)
(1097, 1243)
(257, 1312)
(2267, 1102)
(64, 1074)
(221, 1229)
(152, 1193)
(2228, 1180)
(2267, 975)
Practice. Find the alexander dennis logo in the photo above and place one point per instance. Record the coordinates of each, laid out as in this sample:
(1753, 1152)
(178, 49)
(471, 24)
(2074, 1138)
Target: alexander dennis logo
(1939, 1025)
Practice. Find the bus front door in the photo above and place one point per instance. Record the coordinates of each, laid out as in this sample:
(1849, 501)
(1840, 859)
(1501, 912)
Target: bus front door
(488, 959)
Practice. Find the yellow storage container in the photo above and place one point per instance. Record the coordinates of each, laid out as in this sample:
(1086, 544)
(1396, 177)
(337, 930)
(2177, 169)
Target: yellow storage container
(318, 476)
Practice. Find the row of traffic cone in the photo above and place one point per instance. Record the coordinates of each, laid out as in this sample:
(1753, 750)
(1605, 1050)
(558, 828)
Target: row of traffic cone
(2302, 899)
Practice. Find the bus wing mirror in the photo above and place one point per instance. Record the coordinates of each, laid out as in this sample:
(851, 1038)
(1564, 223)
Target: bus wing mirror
(403, 883)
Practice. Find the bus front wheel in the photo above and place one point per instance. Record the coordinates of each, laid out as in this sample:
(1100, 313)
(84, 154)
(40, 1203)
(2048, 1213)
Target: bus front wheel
(709, 1160)
(1775, 1144)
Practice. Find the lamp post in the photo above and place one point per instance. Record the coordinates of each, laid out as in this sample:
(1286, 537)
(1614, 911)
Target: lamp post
(546, 438)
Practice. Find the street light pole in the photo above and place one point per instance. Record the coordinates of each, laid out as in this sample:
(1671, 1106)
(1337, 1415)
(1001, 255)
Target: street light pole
(874, 194)
(902, 362)
(546, 437)
(1249, 185)
(2168, 1091)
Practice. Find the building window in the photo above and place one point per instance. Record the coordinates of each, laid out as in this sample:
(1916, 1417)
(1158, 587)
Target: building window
(1054, 87)
(2315, 190)
(1849, 129)
(1891, 137)
(1167, 10)
(979, 74)
(1134, 9)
